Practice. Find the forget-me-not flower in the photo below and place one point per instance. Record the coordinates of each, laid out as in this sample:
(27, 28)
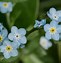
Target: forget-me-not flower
(52, 30)
(45, 43)
(54, 15)
(39, 23)
(6, 7)
(3, 33)
(18, 35)
(9, 49)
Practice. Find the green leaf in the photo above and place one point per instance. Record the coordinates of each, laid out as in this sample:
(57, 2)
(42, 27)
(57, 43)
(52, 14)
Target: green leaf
(14, 1)
(32, 58)
(25, 13)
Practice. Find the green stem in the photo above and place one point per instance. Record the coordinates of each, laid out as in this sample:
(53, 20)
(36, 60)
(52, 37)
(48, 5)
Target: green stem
(59, 51)
(8, 20)
(32, 30)
(29, 32)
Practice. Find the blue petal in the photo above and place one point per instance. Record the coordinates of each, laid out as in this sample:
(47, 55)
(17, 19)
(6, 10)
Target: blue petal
(22, 31)
(17, 42)
(14, 53)
(23, 40)
(59, 29)
(49, 44)
(14, 29)
(43, 21)
(6, 55)
(36, 21)
(14, 45)
(53, 24)
(59, 13)
(6, 42)
(48, 35)
(37, 24)
(46, 27)
(59, 20)
(4, 33)
(3, 10)
(55, 36)
(49, 15)
(2, 48)
(11, 36)
(0, 3)
(52, 11)
(10, 7)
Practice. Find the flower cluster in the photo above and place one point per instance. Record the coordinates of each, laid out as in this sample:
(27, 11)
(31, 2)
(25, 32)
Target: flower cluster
(9, 43)
(6, 7)
(53, 30)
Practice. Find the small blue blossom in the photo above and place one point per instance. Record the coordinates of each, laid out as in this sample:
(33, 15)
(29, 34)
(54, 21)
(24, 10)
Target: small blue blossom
(6, 7)
(39, 23)
(52, 30)
(54, 15)
(3, 33)
(18, 35)
(45, 43)
(9, 49)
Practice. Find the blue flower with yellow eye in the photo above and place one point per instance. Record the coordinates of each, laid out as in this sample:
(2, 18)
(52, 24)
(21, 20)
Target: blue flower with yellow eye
(38, 24)
(52, 30)
(18, 35)
(3, 33)
(6, 7)
(9, 49)
(54, 15)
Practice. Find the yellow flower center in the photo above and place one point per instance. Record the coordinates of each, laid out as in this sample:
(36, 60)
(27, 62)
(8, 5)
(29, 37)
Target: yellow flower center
(1, 38)
(8, 48)
(52, 30)
(5, 5)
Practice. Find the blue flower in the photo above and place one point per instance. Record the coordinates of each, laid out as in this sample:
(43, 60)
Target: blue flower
(54, 15)
(52, 30)
(9, 49)
(6, 7)
(45, 43)
(39, 23)
(18, 35)
(3, 33)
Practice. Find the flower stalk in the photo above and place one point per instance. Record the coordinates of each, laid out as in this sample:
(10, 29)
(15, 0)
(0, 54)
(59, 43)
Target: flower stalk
(8, 20)
(59, 52)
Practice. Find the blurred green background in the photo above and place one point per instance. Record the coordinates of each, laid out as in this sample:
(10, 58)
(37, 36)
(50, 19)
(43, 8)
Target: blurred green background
(24, 14)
